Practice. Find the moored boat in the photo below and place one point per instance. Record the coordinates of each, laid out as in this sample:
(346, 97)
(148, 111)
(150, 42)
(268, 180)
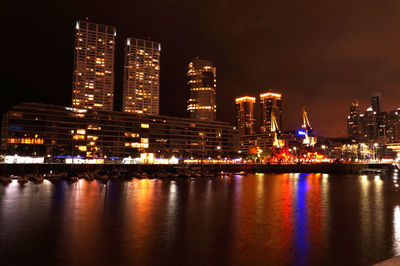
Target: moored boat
(208, 174)
(22, 179)
(88, 176)
(53, 177)
(162, 175)
(125, 175)
(141, 175)
(5, 179)
(37, 179)
(72, 179)
(101, 175)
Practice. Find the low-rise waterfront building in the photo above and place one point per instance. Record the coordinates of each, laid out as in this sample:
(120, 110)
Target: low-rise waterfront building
(49, 130)
(254, 143)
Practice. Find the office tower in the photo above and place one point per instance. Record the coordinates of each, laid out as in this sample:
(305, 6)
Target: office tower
(270, 101)
(202, 90)
(353, 121)
(370, 125)
(93, 77)
(141, 77)
(375, 102)
(393, 125)
(380, 117)
(245, 115)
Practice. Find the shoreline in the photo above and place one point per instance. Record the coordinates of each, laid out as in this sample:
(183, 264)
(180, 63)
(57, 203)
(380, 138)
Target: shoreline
(328, 168)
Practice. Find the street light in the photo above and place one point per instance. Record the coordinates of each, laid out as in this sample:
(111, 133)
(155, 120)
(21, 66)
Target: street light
(375, 150)
(219, 151)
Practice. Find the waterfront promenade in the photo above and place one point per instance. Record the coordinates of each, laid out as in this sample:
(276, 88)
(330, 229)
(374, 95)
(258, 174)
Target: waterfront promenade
(347, 168)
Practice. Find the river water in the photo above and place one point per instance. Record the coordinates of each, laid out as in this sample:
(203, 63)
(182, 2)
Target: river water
(257, 219)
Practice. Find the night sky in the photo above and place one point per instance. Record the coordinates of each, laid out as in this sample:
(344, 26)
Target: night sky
(321, 54)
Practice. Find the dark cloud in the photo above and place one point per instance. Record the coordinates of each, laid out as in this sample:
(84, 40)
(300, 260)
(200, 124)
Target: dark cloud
(321, 54)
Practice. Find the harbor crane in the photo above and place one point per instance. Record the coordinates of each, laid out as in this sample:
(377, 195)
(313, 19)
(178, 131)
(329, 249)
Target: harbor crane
(309, 140)
(280, 152)
(307, 151)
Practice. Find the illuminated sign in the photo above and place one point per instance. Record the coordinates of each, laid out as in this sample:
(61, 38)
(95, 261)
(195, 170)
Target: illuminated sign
(25, 140)
(301, 133)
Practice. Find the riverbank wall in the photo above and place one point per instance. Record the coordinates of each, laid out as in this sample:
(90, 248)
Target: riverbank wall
(329, 168)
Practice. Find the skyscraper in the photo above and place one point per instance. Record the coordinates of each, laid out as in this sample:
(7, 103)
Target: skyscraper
(202, 90)
(141, 77)
(353, 121)
(270, 101)
(375, 102)
(245, 115)
(393, 125)
(93, 77)
(370, 125)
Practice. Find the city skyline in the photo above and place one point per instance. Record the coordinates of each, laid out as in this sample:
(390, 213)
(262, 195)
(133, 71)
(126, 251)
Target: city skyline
(375, 124)
(200, 132)
(304, 75)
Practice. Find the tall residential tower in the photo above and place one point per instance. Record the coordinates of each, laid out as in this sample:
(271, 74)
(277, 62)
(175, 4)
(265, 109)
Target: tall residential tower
(270, 101)
(245, 115)
(201, 82)
(93, 77)
(141, 77)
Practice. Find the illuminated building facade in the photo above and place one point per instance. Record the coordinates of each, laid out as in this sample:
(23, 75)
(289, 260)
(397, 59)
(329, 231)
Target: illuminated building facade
(255, 143)
(353, 121)
(49, 130)
(93, 76)
(393, 126)
(370, 125)
(270, 102)
(245, 115)
(201, 82)
(141, 76)
(374, 125)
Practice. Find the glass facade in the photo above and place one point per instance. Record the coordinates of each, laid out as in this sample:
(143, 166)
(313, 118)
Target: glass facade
(201, 82)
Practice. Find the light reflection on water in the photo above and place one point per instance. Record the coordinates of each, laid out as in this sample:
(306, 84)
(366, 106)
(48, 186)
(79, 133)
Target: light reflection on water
(396, 227)
(275, 219)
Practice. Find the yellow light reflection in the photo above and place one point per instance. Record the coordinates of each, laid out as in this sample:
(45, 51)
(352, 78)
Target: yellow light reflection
(396, 231)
